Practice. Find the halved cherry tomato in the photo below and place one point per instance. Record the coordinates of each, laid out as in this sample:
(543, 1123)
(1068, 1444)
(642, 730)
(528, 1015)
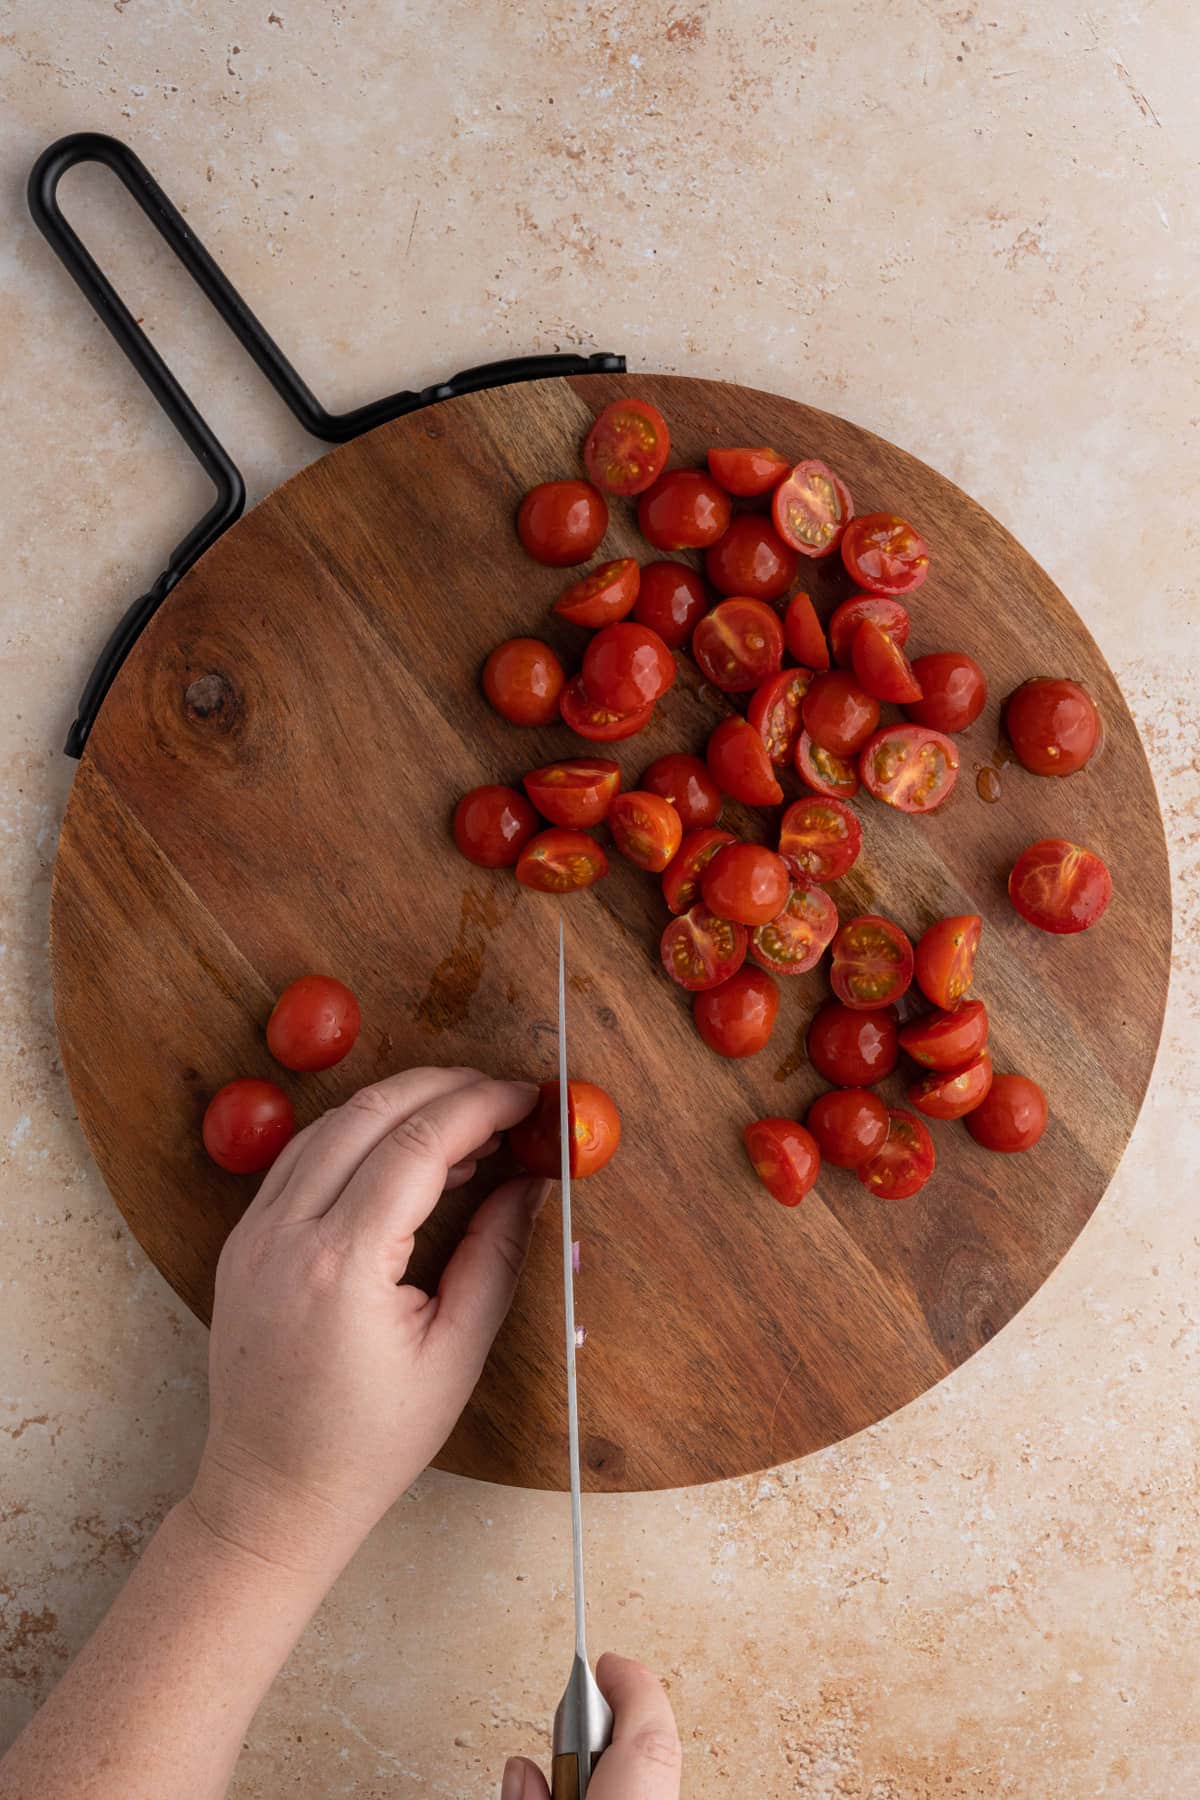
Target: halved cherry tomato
(626, 666)
(627, 447)
(602, 597)
(945, 958)
(687, 784)
(1059, 887)
(852, 1048)
(882, 667)
(523, 680)
(812, 508)
(738, 644)
(952, 1093)
(803, 635)
(889, 615)
(909, 767)
(600, 724)
(820, 838)
(1053, 726)
(953, 690)
(884, 554)
(834, 776)
(561, 862)
(747, 473)
(737, 1018)
(681, 877)
(849, 1124)
(785, 1157)
(646, 829)
(746, 882)
(1012, 1116)
(593, 1121)
(313, 1023)
(905, 1162)
(947, 1040)
(699, 950)
(492, 825)
(684, 510)
(796, 939)
(774, 712)
(562, 522)
(578, 792)
(751, 558)
(872, 963)
(671, 600)
(838, 714)
(738, 763)
(246, 1125)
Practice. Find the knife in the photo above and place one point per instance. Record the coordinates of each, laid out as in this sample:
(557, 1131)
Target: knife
(583, 1723)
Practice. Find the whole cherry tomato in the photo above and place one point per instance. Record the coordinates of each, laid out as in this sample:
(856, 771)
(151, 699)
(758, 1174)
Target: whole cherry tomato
(600, 724)
(1012, 1115)
(684, 510)
(785, 1158)
(747, 473)
(738, 645)
(699, 950)
(909, 767)
(820, 838)
(738, 763)
(313, 1024)
(849, 1124)
(645, 828)
(602, 597)
(672, 600)
(905, 1161)
(811, 509)
(627, 666)
(246, 1125)
(803, 635)
(775, 713)
(838, 714)
(882, 667)
(577, 793)
(746, 882)
(737, 1018)
(751, 558)
(593, 1122)
(562, 522)
(1053, 726)
(627, 447)
(795, 940)
(492, 825)
(872, 963)
(945, 958)
(686, 783)
(884, 555)
(681, 878)
(947, 1040)
(561, 862)
(834, 776)
(889, 615)
(1059, 887)
(851, 1048)
(953, 691)
(953, 1093)
(523, 680)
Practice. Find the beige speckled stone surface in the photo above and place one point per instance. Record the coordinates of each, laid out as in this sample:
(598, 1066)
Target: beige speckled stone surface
(973, 228)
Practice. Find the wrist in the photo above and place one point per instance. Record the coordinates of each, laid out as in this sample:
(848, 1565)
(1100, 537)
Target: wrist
(243, 1511)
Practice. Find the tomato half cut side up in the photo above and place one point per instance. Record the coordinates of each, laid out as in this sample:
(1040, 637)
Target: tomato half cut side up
(700, 951)
(738, 645)
(775, 713)
(602, 597)
(803, 635)
(796, 939)
(872, 963)
(882, 667)
(561, 862)
(945, 958)
(627, 447)
(885, 554)
(577, 792)
(747, 472)
(784, 1156)
(645, 829)
(834, 776)
(738, 762)
(812, 508)
(909, 767)
(820, 838)
(681, 877)
(1059, 886)
(845, 620)
(599, 724)
(947, 1040)
(905, 1162)
(953, 1093)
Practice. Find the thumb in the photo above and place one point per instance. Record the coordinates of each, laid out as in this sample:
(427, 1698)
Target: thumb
(644, 1760)
(481, 1277)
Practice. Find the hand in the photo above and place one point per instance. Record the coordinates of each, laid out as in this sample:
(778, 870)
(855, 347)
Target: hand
(644, 1760)
(331, 1385)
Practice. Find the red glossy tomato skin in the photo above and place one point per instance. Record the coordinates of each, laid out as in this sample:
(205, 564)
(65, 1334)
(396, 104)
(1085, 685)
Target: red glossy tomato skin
(523, 680)
(796, 939)
(751, 558)
(821, 838)
(599, 724)
(746, 882)
(838, 714)
(953, 689)
(246, 1125)
(803, 635)
(646, 829)
(684, 510)
(595, 1129)
(747, 473)
(905, 1161)
(811, 508)
(562, 522)
(738, 762)
(577, 792)
(738, 645)
(1011, 1117)
(1059, 886)
(884, 554)
(686, 783)
(602, 597)
(775, 713)
(559, 861)
(945, 959)
(627, 447)
(313, 1024)
(672, 599)
(953, 1093)
(492, 825)
(784, 1156)
(852, 1048)
(681, 877)
(881, 666)
(849, 1124)
(836, 777)
(737, 1018)
(872, 963)
(909, 767)
(889, 615)
(947, 1040)
(700, 951)
(1053, 726)
(627, 666)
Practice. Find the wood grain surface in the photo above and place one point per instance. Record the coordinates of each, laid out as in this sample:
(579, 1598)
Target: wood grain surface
(268, 790)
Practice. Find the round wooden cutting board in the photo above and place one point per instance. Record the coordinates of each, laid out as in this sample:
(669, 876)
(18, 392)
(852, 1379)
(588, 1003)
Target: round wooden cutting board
(268, 790)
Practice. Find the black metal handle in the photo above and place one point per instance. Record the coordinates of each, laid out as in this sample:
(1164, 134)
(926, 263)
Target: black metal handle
(333, 428)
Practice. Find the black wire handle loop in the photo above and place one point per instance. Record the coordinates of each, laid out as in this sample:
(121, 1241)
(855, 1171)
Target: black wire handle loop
(214, 459)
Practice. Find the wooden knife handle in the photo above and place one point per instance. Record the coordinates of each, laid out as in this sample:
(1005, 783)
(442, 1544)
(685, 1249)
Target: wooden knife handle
(564, 1778)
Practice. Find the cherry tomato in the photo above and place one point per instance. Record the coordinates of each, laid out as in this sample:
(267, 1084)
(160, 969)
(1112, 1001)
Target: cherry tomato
(905, 1162)
(849, 1124)
(523, 680)
(952, 1093)
(884, 555)
(812, 508)
(852, 1048)
(602, 597)
(747, 473)
(737, 1018)
(947, 1040)
(562, 522)
(872, 963)
(882, 667)
(784, 1156)
(681, 878)
(627, 666)
(746, 882)
(600, 724)
(953, 690)
(738, 763)
(684, 510)
(774, 712)
(834, 776)
(671, 600)
(1059, 887)
(576, 793)
(820, 838)
(909, 767)
(646, 829)
(687, 784)
(699, 950)
(246, 1125)
(593, 1122)
(1053, 726)
(838, 714)
(803, 635)
(314, 1024)
(561, 862)
(750, 558)
(627, 447)
(889, 615)
(945, 958)
(1012, 1115)
(796, 939)
(492, 825)
(738, 644)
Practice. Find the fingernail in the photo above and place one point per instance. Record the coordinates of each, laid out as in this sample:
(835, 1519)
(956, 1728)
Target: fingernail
(536, 1196)
(513, 1785)
(533, 1090)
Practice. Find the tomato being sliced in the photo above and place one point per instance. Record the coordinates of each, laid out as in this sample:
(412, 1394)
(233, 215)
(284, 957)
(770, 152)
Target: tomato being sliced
(523, 679)
(884, 554)
(953, 690)
(747, 473)
(851, 1048)
(313, 1024)
(774, 712)
(627, 666)
(953, 1093)
(627, 447)
(699, 950)
(686, 783)
(578, 792)
(672, 600)
(562, 522)
(905, 1162)
(947, 1040)
(737, 1018)
(684, 510)
(909, 767)
(803, 635)
(945, 958)
(738, 763)
(839, 714)
(246, 1125)
(738, 644)
(1012, 1115)
(1053, 726)
(646, 829)
(602, 597)
(872, 963)
(834, 776)
(1059, 886)
(882, 667)
(561, 862)
(796, 939)
(751, 558)
(785, 1158)
(492, 825)
(820, 838)
(812, 508)
(681, 877)
(889, 615)
(849, 1124)
(746, 882)
(600, 724)
(593, 1121)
